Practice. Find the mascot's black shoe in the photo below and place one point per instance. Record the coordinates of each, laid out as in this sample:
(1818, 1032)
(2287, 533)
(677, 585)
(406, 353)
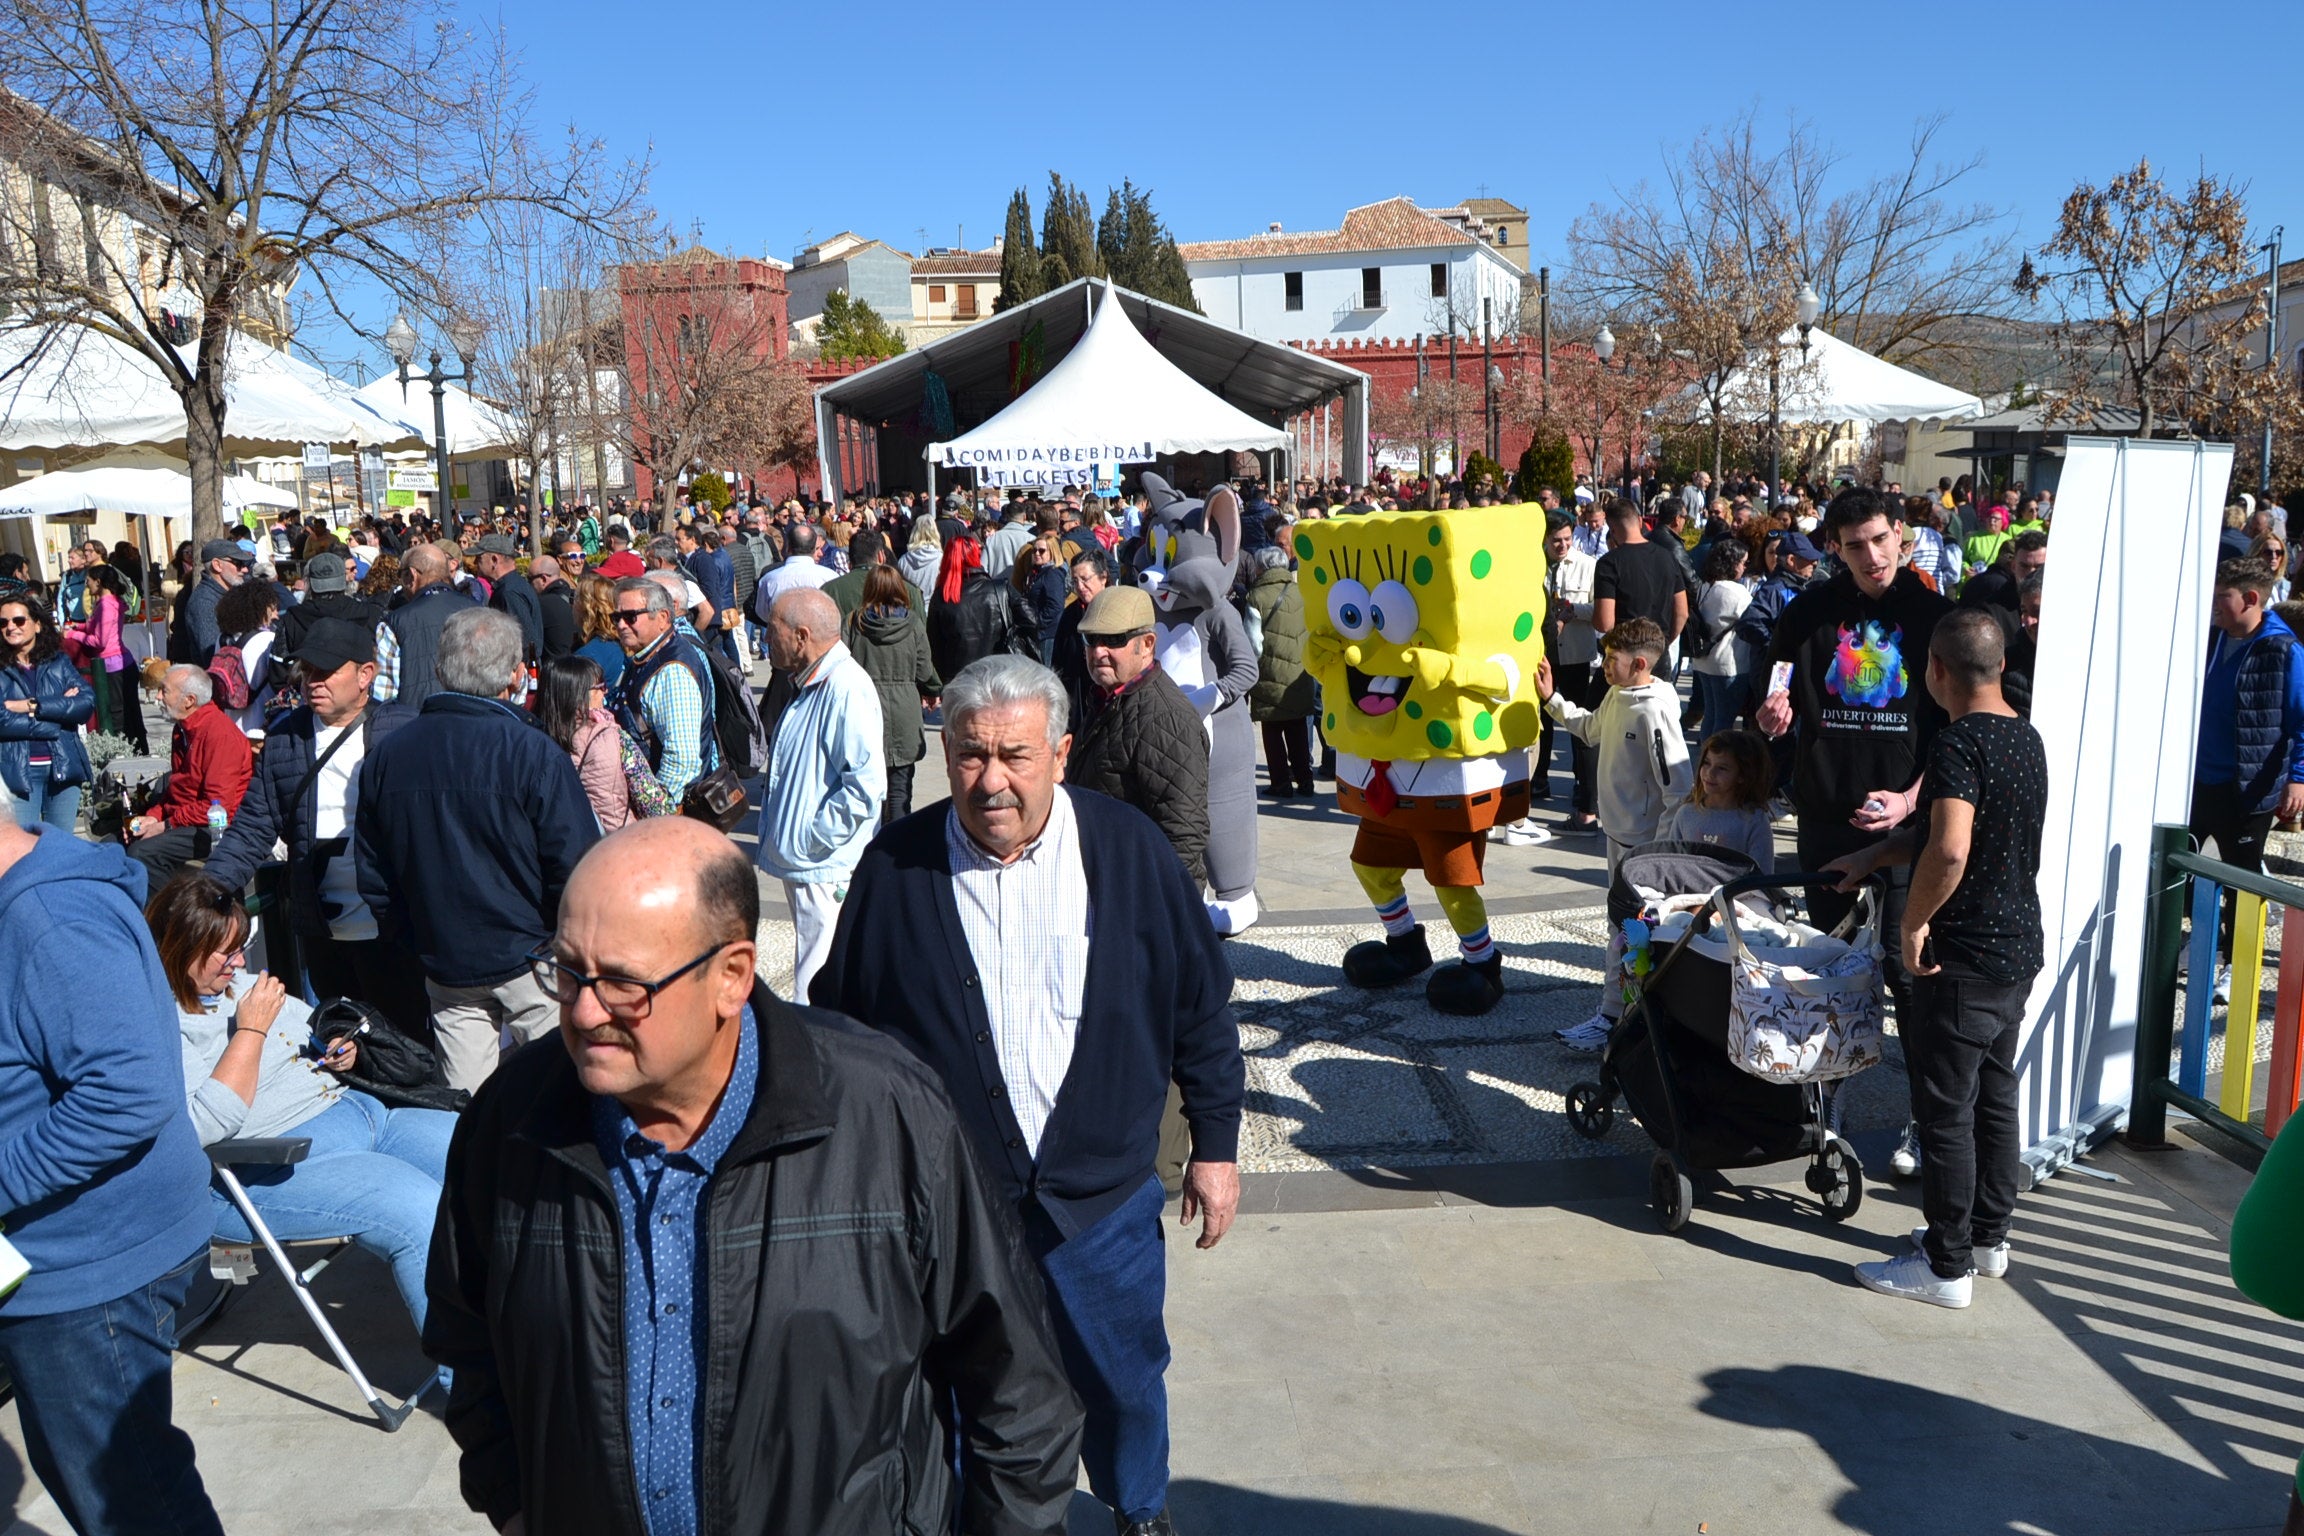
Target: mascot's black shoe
(1387, 962)
(1465, 988)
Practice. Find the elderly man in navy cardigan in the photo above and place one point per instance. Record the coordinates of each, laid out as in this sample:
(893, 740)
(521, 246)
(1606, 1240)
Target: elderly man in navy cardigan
(1041, 948)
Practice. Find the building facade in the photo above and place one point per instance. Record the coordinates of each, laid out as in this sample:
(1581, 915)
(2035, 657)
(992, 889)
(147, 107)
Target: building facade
(870, 270)
(1390, 273)
(952, 290)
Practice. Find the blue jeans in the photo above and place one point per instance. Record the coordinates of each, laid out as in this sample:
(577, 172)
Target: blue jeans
(93, 1394)
(1721, 698)
(373, 1175)
(1107, 1290)
(56, 804)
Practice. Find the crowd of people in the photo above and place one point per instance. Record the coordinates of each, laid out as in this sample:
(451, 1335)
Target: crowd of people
(899, 1223)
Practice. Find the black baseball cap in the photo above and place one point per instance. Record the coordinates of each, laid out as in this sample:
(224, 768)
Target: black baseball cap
(330, 643)
(225, 549)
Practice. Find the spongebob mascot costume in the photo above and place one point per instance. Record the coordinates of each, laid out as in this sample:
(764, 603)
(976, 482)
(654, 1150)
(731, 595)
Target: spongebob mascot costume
(1425, 630)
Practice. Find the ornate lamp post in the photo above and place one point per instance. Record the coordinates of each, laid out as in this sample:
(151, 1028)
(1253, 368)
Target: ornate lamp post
(1603, 348)
(465, 335)
(1809, 306)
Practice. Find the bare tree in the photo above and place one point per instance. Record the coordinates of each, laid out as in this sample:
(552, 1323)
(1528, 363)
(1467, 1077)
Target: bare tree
(2145, 283)
(343, 140)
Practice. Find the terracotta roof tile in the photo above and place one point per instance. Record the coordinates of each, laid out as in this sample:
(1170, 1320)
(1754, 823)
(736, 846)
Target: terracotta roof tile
(1395, 224)
(965, 264)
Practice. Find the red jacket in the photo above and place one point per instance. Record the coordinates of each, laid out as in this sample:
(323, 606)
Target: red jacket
(207, 760)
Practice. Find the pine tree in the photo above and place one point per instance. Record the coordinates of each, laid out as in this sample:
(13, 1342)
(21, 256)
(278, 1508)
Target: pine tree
(851, 328)
(1067, 236)
(1139, 252)
(1021, 279)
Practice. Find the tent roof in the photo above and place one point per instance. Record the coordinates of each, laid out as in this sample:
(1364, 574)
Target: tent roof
(140, 482)
(1112, 400)
(1837, 382)
(73, 387)
(476, 429)
(1269, 381)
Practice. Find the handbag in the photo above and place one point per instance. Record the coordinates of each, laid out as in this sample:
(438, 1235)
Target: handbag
(717, 798)
(1809, 1013)
(392, 1068)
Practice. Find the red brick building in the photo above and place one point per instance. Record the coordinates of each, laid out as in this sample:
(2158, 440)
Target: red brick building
(683, 316)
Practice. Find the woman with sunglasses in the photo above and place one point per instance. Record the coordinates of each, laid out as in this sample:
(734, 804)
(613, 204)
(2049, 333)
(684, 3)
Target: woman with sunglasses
(254, 1068)
(43, 703)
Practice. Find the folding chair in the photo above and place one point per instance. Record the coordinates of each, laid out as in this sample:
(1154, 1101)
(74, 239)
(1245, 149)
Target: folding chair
(237, 1263)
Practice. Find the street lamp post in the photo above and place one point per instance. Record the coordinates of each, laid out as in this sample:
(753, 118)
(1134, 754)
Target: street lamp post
(1809, 306)
(464, 334)
(2271, 352)
(1488, 376)
(1603, 348)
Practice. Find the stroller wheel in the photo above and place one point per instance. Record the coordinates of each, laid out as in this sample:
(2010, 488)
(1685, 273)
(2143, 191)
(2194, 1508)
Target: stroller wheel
(1670, 1194)
(1838, 1180)
(1590, 1110)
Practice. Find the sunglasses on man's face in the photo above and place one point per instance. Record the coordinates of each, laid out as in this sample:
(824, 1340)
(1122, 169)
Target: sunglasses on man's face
(630, 615)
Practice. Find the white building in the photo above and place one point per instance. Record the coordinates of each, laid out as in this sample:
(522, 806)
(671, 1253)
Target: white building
(1391, 273)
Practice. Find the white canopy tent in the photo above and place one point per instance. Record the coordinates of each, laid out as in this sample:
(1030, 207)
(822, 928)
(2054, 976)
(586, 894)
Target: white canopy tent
(75, 388)
(136, 482)
(1832, 382)
(1113, 400)
(476, 429)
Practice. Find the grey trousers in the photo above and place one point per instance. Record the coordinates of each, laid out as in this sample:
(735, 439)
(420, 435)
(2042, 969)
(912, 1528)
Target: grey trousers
(476, 1025)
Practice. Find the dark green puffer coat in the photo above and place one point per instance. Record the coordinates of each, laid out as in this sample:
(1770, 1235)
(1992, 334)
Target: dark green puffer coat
(1284, 690)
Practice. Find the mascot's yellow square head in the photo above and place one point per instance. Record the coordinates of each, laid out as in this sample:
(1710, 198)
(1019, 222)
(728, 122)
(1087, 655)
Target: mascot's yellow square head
(1424, 629)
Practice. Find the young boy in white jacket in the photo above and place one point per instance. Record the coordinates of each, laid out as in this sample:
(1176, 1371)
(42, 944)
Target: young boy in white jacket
(1643, 769)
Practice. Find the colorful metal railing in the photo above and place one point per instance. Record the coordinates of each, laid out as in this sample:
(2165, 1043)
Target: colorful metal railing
(2182, 970)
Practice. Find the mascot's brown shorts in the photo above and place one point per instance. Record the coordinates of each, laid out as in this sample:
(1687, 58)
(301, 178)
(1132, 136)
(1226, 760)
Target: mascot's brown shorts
(1446, 836)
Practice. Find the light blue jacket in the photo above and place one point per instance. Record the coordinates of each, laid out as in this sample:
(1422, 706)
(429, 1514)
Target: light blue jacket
(827, 775)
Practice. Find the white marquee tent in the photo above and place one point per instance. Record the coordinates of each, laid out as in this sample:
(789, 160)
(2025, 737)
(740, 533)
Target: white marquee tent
(75, 388)
(135, 482)
(476, 429)
(1835, 382)
(1113, 400)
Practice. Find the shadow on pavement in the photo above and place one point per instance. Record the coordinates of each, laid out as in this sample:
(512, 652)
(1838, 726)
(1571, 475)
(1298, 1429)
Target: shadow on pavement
(1925, 1462)
(1217, 1509)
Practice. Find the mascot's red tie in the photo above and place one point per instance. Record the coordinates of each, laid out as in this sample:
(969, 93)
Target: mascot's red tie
(1378, 792)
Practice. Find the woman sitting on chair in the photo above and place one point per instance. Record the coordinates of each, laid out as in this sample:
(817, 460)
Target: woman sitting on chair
(254, 1068)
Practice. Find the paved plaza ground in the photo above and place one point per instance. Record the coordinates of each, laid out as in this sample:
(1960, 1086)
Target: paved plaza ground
(1443, 1314)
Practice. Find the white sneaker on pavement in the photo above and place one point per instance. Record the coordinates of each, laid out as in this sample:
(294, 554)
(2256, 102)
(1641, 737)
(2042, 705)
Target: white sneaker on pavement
(1908, 1275)
(1904, 1162)
(1589, 1037)
(1990, 1263)
(1527, 832)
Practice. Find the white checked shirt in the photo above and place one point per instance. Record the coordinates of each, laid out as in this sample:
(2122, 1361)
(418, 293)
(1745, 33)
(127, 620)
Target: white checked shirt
(1028, 923)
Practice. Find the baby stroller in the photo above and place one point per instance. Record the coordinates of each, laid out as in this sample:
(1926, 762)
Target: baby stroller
(1669, 1056)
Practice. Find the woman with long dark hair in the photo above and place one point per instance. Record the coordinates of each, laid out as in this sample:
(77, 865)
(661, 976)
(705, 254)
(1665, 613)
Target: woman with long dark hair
(99, 645)
(43, 703)
(572, 706)
(887, 640)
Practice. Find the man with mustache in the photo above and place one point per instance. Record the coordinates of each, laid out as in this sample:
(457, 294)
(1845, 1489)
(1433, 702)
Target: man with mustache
(707, 1261)
(1043, 951)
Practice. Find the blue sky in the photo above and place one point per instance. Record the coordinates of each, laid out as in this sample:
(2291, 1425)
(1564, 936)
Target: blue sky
(776, 124)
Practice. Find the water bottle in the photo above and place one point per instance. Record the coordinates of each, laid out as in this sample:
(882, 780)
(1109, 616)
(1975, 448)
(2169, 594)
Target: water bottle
(217, 820)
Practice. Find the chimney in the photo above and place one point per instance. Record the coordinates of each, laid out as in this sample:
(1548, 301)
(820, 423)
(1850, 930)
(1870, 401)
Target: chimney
(1272, 228)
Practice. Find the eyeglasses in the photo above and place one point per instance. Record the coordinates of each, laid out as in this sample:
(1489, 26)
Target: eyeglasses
(630, 615)
(8, 622)
(623, 997)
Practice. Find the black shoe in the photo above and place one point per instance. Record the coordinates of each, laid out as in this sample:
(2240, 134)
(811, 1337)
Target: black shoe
(1158, 1525)
(1465, 988)
(1387, 962)
(1274, 792)
(1307, 790)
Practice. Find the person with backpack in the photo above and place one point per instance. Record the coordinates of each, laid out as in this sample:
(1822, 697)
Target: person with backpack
(827, 773)
(242, 667)
(1721, 661)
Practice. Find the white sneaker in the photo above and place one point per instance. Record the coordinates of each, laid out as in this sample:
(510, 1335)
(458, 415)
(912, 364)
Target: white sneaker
(1589, 1037)
(1904, 1162)
(1524, 833)
(1908, 1275)
(2224, 984)
(1990, 1263)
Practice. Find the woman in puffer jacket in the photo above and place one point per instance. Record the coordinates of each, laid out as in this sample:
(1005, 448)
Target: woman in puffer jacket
(43, 703)
(888, 641)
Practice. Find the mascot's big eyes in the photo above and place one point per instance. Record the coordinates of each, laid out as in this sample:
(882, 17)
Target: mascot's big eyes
(1394, 610)
(1348, 609)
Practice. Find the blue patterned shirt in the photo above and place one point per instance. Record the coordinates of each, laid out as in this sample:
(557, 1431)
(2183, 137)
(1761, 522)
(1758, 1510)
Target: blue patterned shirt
(659, 1206)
